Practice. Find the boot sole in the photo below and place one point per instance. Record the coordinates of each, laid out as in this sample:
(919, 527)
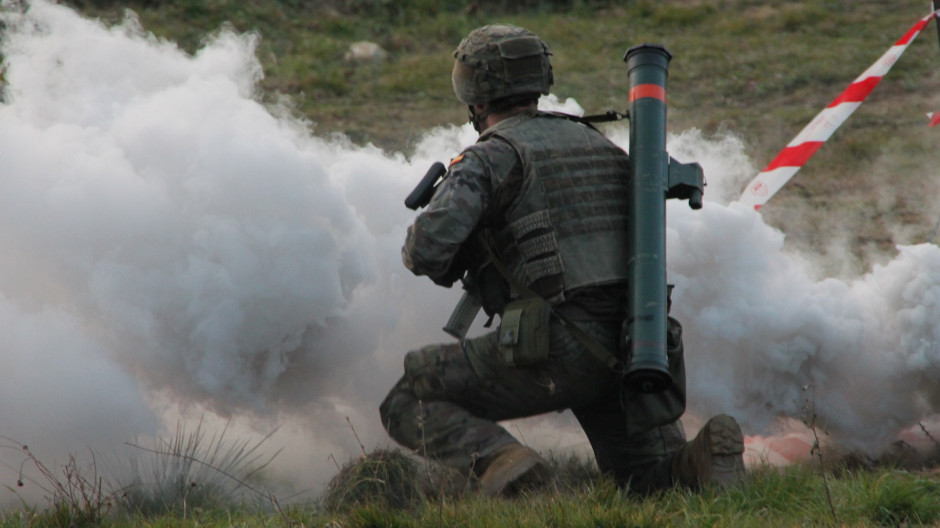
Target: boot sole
(726, 445)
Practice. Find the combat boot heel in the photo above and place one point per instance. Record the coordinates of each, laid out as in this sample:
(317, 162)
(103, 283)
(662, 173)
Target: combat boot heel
(715, 457)
(511, 469)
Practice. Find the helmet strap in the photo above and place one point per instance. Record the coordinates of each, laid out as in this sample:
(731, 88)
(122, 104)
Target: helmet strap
(477, 119)
(498, 106)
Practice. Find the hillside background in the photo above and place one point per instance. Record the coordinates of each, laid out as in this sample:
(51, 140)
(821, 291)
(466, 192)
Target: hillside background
(756, 70)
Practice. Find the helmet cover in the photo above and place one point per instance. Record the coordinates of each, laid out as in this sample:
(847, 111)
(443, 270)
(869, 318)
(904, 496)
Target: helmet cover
(500, 60)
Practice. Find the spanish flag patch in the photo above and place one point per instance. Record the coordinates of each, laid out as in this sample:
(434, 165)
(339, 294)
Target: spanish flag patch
(456, 160)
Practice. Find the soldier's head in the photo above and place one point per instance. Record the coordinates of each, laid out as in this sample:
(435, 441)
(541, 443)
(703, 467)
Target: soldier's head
(500, 67)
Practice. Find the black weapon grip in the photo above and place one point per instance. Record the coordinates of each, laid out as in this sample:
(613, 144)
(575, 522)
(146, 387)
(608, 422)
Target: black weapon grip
(422, 194)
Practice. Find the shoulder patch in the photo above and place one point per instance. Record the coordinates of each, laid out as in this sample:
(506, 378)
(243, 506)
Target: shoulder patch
(456, 160)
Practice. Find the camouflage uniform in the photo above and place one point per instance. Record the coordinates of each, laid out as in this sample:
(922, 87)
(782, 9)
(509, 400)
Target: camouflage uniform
(553, 193)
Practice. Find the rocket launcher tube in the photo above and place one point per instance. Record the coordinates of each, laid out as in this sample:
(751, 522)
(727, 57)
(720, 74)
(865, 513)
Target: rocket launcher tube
(647, 367)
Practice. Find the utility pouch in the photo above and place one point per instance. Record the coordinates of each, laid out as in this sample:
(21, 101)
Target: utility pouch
(524, 331)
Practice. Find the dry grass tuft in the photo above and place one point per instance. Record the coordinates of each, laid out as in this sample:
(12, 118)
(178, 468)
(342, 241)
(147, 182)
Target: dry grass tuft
(384, 478)
(391, 479)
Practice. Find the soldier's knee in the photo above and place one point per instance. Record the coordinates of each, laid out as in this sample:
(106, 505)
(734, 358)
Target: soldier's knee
(424, 370)
(423, 380)
(385, 411)
(391, 407)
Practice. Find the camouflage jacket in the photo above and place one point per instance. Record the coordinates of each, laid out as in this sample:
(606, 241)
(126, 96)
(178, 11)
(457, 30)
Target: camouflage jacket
(552, 191)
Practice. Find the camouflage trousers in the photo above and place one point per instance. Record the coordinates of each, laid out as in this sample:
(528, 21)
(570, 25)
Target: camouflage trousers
(447, 404)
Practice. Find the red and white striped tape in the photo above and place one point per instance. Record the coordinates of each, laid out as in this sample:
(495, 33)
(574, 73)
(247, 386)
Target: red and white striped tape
(808, 141)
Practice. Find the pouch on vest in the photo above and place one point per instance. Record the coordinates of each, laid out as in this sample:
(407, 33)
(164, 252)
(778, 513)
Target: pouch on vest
(524, 332)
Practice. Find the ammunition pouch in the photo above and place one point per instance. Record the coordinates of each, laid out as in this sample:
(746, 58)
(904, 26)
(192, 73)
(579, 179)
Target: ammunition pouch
(524, 332)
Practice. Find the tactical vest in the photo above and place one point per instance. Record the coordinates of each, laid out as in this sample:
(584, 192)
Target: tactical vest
(567, 228)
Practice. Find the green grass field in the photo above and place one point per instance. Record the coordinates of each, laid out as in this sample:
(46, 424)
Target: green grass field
(756, 70)
(797, 496)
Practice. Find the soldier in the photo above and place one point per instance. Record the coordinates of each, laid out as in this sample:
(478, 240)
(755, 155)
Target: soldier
(536, 209)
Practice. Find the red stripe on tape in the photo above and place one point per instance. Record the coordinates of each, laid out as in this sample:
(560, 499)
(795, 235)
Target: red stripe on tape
(856, 92)
(795, 156)
(906, 39)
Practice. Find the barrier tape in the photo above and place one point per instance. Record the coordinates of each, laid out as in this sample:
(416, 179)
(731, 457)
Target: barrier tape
(812, 137)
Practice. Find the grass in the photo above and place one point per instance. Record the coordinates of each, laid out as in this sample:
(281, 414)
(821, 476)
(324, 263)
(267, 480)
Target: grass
(760, 70)
(196, 477)
(387, 479)
(75, 491)
(192, 475)
(193, 470)
(728, 65)
(794, 497)
(386, 488)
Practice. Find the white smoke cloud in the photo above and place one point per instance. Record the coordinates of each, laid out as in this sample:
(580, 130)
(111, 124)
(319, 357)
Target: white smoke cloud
(163, 225)
(766, 338)
(174, 249)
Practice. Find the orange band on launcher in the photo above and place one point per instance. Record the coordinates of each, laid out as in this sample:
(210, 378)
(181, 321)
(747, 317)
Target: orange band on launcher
(648, 90)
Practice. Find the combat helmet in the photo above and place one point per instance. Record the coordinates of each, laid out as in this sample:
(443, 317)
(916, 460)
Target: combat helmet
(498, 61)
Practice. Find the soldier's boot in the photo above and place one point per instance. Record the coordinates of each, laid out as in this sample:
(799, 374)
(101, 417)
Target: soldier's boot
(715, 457)
(510, 469)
